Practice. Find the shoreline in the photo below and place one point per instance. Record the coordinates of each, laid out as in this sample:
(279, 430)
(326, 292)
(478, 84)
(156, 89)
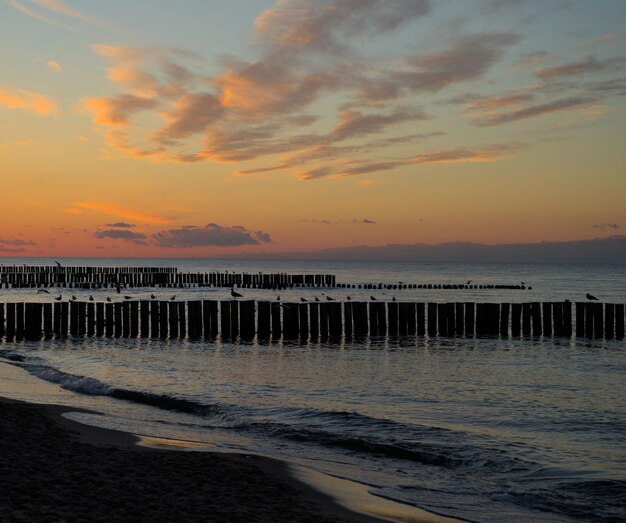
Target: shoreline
(65, 469)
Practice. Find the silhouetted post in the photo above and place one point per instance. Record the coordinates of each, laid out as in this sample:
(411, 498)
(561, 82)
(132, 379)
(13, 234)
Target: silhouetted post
(432, 319)
(359, 319)
(125, 319)
(557, 314)
(74, 318)
(163, 320)
(505, 312)
(118, 313)
(131, 319)
(567, 319)
(264, 320)
(109, 319)
(535, 315)
(33, 321)
(47, 320)
(234, 318)
(154, 319)
(609, 321)
(303, 315)
(373, 317)
(392, 311)
(10, 330)
(276, 321)
(1, 320)
(173, 318)
(82, 317)
(420, 309)
(619, 321)
(451, 322)
(526, 321)
(598, 323)
(324, 320)
(291, 321)
(182, 319)
(403, 320)
(91, 319)
(246, 309)
(442, 319)
(589, 319)
(56, 320)
(144, 318)
(347, 319)
(99, 319)
(469, 319)
(65, 317)
(516, 320)
(547, 318)
(335, 325)
(459, 315)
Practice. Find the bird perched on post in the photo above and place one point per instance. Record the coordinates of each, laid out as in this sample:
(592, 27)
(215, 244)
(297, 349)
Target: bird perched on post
(173, 297)
(59, 297)
(152, 297)
(303, 300)
(372, 298)
(109, 299)
(128, 297)
(330, 298)
(590, 297)
(235, 294)
(316, 298)
(90, 297)
(74, 298)
(43, 291)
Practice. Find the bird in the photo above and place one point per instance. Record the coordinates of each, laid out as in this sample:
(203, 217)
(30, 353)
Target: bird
(74, 298)
(330, 298)
(316, 298)
(59, 297)
(303, 300)
(235, 294)
(372, 298)
(468, 282)
(128, 297)
(278, 298)
(152, 297)
(393, 299)
(173, 297)
(348, 298)
(590, 297)
(523, 282)
(58, 264)
(109, 299)
(90, 297)
(43, 291)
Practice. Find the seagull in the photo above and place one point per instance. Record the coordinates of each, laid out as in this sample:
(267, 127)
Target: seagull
(523, 282)
(393, 299)
(303, 300)
(109, 299)
(90, 297)
(43, 291)
(590, 297)
(329, 298)
(173, 297)
(152, 297)
(468, 282)
(278, 298)
(128, 297)
(348, 298)
(74, 298)
(235, 294)
(58, 264)
(372, 298)
(59, 297)
(316, 298)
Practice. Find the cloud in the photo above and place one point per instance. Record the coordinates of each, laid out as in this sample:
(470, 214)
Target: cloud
(118, 110)
(29, 101)
(55, 7)
(209, 235)
(53, 66)
(587, 66)
(61, 8)
(496, 102)
(121, 225)
(353, 221)
(605, 226)
(128, 236)
(534, 111)
(14, 245)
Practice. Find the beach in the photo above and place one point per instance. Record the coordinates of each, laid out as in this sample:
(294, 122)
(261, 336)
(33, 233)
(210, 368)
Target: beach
(54, 469)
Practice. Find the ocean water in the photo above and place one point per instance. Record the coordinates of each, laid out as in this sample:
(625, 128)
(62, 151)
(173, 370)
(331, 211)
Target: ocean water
(488, 430)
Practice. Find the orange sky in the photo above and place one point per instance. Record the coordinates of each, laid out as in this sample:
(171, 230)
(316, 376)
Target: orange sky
(212, 128)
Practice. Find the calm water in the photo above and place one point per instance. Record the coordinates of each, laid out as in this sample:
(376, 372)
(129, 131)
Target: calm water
(489, 430)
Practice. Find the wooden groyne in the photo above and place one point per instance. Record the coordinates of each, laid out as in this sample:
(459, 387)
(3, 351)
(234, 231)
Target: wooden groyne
(307, 321)
(32, 276)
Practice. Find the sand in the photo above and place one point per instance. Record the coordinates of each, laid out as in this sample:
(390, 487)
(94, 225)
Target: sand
(54, 469)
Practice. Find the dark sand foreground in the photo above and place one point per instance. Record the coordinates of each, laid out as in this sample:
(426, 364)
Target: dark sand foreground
(53, 469)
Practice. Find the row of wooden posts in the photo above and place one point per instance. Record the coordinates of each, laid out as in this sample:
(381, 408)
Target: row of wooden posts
(95, 277)
(332, 321)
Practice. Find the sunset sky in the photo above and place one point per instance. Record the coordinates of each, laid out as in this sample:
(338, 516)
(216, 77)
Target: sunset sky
(212, 127)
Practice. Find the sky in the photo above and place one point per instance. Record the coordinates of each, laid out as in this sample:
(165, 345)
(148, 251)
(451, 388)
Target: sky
(207, 128)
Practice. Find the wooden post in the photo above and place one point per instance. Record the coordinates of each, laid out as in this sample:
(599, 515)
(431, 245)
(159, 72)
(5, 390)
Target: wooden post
(82, 317)
(264, 318)
(154, 319)
(619, 321)
(535, 316)
(109, 314)
(246, 309)
(373, 320)
(117, 311)
(335, 325)
(526, 322)
(567, 319)
(459, 314)
(589, 320)
(420, 326)
(277, 330)
(163, 320)
(557, 311)
(505, 312)
(609, 321)
(91, 318)
(1, 320)
(291, 321)
(145, 318)
(10, 330)
(392, 311)
(347, 319)
(547, 318)
(359, 319)
(182, 319)
(516, 316)
(581, 320)
(234, 318)
(403, 320)
(126, 319)
(173, 318)
(442, 319)
(47, 320)
(469, 320)
(303, 315)
(432, 319)
(598, 323)
(324, 321)
(99, 319)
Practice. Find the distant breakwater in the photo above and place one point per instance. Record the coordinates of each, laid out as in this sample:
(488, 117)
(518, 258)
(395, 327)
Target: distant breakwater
(328, 321)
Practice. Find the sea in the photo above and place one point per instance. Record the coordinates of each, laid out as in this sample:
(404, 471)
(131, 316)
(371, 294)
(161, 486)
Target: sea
(482, 429)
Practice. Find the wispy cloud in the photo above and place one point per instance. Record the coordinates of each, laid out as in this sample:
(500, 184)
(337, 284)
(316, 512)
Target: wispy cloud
(210, 235)
(606, 226)
(52, 8)
(119, 212)
(587, 66)
(121, 225)
(29, 101)
(128, 236)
